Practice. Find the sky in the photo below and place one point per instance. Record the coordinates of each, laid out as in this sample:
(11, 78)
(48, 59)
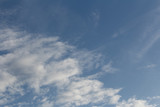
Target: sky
(79, 53)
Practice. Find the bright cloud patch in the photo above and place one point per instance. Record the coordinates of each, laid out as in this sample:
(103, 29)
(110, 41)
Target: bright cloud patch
(85, 91)
(132, 102)
(44, 72)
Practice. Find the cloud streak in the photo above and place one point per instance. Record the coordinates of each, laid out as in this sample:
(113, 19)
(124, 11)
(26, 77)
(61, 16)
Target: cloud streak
(149, 45)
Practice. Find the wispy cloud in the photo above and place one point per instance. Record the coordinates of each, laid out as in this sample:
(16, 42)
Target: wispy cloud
(38, 62)
(132, 102)
(108, 68)
(119, 32)
(44, 64)
(152, 41)
(150, 66)
(149, 34)
(95, 17)
(153, 98)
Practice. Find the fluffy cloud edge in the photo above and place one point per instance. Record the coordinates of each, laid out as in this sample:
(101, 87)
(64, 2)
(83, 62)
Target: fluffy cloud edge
(39, 62)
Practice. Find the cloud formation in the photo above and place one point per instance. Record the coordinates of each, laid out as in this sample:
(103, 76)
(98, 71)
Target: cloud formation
(132, 102)
(85, 91)
(38, 65)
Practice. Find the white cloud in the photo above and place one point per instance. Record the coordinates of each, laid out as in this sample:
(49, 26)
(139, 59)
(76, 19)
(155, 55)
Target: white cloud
(154, 97)
(42, 63)
(86, 91)
(105, 68)
(150, 66)
(132, 102)
(29, 59)
(88, 60)
(108, 68)
(46, 103)
(155, 100)
(6, 80)
(61, 71)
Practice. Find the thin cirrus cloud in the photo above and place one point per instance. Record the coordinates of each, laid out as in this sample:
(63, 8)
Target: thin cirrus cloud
(151, 42)
(42, 65)
(146, 38)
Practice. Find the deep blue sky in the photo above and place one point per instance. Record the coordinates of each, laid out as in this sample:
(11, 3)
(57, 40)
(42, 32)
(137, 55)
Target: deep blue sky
(122, 34)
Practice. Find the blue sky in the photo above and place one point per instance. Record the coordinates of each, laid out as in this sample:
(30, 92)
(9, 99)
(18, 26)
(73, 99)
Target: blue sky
(79, 53)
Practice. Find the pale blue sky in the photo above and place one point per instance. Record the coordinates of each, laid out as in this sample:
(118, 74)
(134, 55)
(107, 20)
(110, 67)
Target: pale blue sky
(79, 53)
